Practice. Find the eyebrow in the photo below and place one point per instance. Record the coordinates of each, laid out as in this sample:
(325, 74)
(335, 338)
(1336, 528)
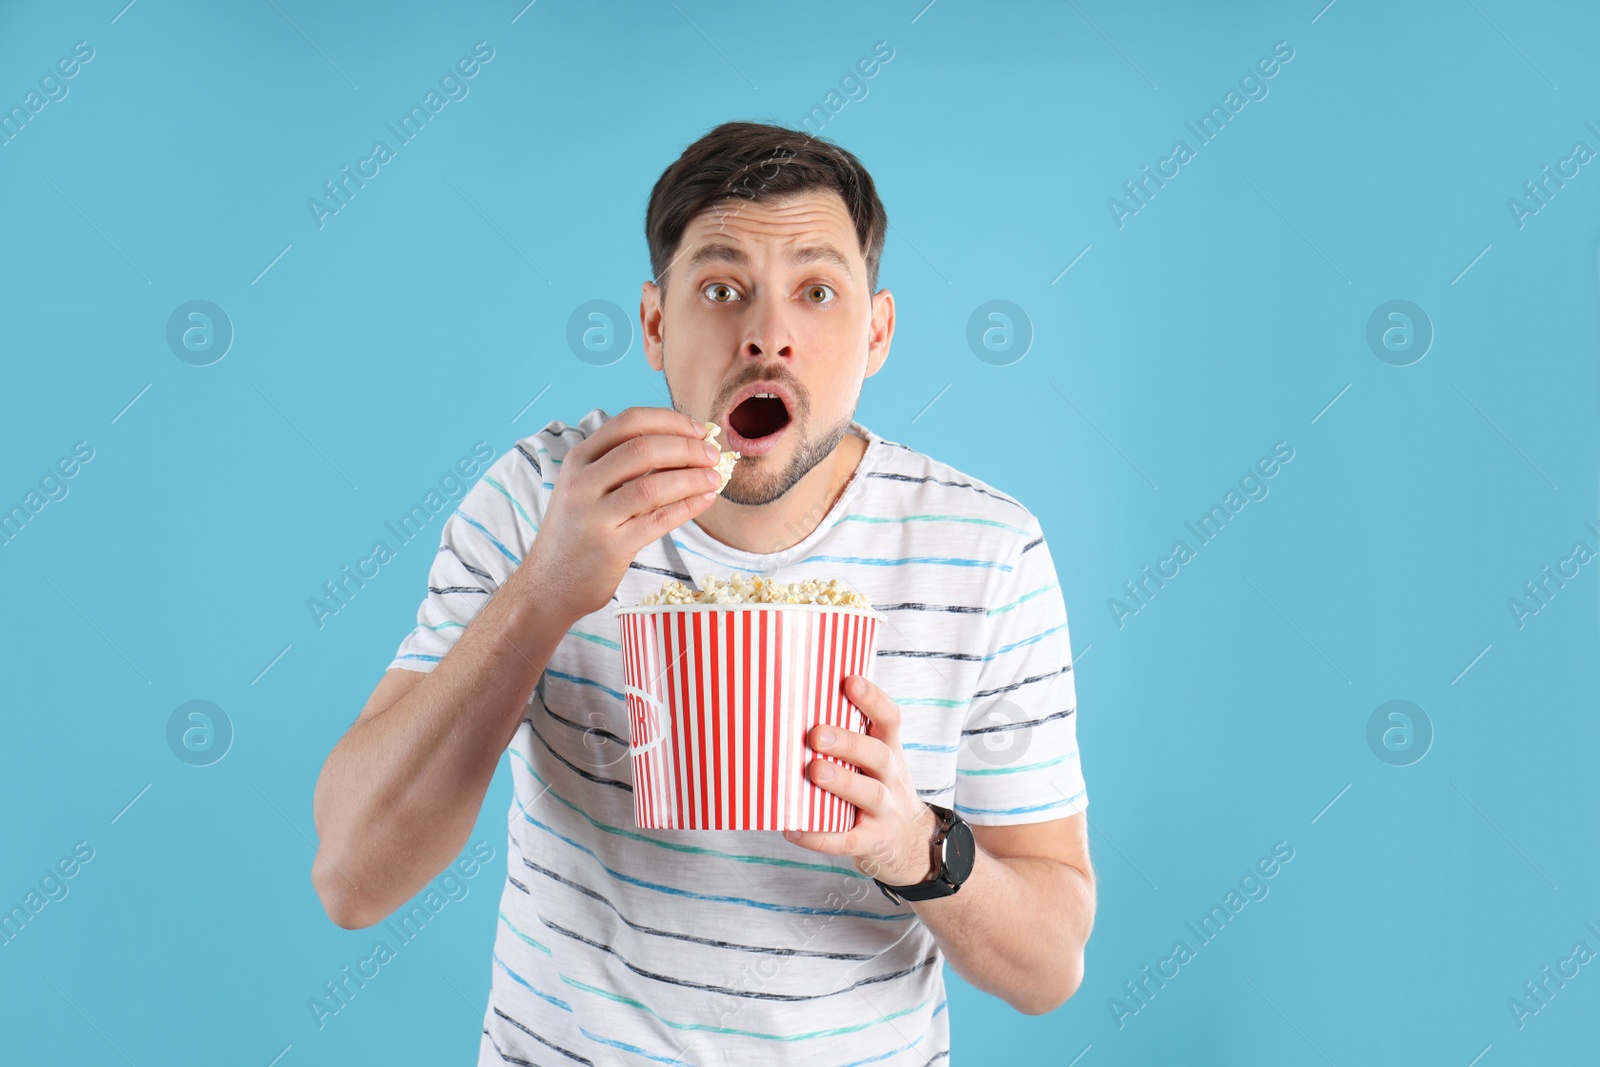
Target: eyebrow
(718, 252)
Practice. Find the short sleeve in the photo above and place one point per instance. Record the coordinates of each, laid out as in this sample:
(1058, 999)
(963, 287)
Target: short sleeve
(482, 543)
(1018, 757)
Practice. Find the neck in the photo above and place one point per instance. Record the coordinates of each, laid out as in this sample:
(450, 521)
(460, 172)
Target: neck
(791, 518)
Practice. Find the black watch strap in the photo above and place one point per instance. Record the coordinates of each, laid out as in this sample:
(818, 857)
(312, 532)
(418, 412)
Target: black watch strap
(944, 881)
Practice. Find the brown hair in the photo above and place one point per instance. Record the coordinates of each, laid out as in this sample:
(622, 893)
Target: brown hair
(759, 163)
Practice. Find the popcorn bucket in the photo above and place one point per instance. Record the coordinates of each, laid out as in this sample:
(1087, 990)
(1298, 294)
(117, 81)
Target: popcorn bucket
(721, 699)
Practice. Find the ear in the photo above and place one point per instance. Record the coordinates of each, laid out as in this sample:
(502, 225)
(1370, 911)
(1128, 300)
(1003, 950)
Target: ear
(650, 324)
(880, 331)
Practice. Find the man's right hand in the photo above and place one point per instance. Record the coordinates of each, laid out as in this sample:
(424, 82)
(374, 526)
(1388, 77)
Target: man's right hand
(642, 473)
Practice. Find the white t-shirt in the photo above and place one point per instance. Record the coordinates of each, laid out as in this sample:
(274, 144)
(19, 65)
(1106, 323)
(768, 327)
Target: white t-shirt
(739, 946)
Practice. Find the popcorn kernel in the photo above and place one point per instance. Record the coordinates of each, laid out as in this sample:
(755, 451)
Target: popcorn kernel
(740, 589)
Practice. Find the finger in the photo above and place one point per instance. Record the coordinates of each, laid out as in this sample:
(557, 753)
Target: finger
(851, 746)
(658, 489)
(633, 422)
(638, 455)
(867, 793)
(832, 844)
(876, 706)
(642, 529)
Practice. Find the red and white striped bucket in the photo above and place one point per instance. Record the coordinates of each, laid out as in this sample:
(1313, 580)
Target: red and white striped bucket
(721, 700)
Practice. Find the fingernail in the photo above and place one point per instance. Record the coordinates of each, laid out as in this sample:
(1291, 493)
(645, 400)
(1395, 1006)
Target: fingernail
(712, 453)
(824, 736)
(824, 773)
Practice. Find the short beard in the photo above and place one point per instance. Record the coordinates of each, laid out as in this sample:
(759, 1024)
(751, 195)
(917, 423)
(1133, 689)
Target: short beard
(752, 489)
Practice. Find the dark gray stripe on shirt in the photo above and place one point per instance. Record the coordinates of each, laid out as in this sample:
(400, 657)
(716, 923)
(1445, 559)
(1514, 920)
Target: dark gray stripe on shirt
(470, 568)
(909, 653)
(710, 942)
(663, 571)
(912, 605)
(597, 731)
(534, 462)
(1016, 725)
(547, 1044)
(595, 778)
(506, 1057)
(752, 994)
(892, 476)
(1018, 685)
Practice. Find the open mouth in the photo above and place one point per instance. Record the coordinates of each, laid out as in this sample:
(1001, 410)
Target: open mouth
(758, 417)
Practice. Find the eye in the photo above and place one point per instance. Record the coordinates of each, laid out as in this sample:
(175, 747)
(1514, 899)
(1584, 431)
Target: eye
(712, 291)
(812, 290)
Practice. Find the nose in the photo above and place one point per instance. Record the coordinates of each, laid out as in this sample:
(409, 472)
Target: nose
(768, 331)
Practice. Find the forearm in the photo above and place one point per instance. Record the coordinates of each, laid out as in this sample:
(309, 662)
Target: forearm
(401, 791)
(1017, 928)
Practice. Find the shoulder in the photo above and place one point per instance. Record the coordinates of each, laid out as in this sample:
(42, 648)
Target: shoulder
(557, 438)
(961, 509)
(932, 482)
(538, 456)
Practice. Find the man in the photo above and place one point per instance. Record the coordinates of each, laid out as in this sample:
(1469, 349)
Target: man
(617, 944)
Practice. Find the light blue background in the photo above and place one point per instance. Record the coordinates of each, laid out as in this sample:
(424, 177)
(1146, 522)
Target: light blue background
(1223, 317)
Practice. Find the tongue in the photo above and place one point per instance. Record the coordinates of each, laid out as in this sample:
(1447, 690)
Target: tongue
(758, 416)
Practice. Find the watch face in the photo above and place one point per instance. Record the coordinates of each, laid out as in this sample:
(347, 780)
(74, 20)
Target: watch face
(958, 852)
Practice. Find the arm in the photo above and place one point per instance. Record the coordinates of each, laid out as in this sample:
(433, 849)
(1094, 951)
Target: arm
(1019, 923)
(1018, 926)
(400, 792)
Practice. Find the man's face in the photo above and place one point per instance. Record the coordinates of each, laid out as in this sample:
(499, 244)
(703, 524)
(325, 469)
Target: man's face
(769, 293)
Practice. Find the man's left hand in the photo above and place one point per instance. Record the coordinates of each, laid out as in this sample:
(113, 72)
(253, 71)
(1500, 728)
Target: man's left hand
(894, 827)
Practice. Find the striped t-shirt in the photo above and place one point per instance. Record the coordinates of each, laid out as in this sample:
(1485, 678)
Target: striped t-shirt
(621, 945)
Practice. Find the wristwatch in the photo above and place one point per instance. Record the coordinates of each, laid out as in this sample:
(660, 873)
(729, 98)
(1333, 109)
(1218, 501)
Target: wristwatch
(953, 854)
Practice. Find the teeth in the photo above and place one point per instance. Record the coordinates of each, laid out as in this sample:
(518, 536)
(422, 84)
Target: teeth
(772, 396)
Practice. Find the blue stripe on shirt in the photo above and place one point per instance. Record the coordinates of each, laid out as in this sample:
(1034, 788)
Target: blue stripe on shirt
(469, 520)
(581, 680)
(564, 1006)
(909, 1044)
(557, 1001)
(1018, 811)
(676, 1061)
(716, 898)
(675, 846)
(942, 561)
(1025, 641)
(1041, 764)
(871, 561)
